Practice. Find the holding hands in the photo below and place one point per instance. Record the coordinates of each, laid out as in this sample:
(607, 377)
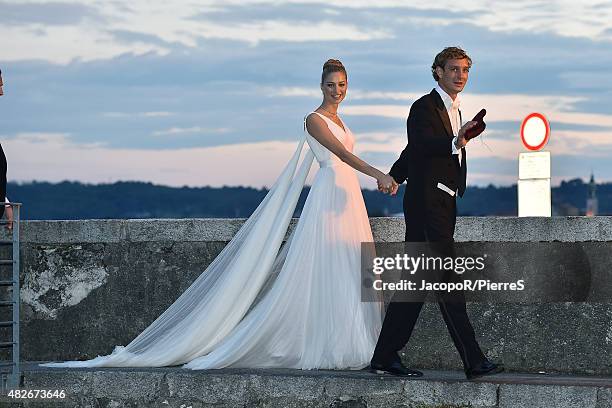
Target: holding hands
(387, 184)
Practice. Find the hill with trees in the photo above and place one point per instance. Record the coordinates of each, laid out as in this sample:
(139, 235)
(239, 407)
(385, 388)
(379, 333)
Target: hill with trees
(73, 200)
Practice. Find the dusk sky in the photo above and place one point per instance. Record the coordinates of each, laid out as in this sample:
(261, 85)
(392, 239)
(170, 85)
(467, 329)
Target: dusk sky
(214, 92)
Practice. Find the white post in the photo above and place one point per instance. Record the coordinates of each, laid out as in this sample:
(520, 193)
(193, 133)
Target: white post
(534, 185)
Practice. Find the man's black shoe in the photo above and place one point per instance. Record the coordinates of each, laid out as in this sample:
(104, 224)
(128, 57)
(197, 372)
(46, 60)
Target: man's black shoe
(395, 368)
(486, 368)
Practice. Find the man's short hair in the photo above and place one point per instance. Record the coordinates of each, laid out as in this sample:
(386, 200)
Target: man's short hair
(446, 54)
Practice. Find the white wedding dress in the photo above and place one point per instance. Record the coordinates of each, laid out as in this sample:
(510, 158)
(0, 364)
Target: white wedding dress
(258, 305)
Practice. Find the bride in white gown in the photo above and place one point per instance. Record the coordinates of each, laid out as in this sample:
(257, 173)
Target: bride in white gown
(259, 305)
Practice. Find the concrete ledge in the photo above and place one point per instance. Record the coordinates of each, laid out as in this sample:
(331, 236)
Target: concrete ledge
(176, 387)
(492, 229)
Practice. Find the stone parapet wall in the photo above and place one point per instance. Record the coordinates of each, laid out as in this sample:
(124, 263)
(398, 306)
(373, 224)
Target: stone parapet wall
(90, 285)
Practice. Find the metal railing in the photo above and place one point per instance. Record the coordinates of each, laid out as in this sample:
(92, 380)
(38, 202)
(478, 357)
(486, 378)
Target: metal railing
(10, 372)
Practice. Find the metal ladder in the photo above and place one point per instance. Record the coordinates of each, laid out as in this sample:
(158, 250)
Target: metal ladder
(10, 369)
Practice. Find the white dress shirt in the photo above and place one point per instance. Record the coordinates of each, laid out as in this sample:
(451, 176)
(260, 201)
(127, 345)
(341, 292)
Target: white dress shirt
(452, 107)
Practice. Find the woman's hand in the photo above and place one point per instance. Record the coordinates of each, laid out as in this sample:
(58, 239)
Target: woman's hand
(387, 184)
(8, 212)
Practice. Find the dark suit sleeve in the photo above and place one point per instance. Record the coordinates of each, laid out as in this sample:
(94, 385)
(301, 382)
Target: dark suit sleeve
(399, 170)
(2, 179)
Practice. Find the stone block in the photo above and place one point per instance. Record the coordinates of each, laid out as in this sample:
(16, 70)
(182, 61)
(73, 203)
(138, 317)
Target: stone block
(546, 396)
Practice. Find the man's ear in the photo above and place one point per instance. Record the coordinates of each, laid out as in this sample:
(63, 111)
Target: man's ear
(439, 71)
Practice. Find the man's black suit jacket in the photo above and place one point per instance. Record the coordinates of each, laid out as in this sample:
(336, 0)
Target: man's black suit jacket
(2, 179)
(428, 160)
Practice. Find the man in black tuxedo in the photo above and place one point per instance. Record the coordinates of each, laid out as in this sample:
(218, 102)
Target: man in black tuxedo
(434, 165)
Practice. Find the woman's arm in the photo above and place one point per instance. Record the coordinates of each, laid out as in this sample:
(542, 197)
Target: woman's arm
(319, 130)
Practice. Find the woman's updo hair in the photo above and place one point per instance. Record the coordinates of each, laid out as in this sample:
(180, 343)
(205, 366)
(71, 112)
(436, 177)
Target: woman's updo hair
(332, 65)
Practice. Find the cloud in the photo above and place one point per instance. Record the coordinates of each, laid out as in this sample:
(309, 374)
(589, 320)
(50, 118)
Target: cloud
(587, 19)
(137, 114)
(105, 30)
(500, 108)
(133, 37)
(238, 13)
(194, 129)
(177, 167)
(583, 80)
(111, 29)
(355, 94)
(65, 44)
(257, 32)
(590, 19)
(49, 13)
(151, 78)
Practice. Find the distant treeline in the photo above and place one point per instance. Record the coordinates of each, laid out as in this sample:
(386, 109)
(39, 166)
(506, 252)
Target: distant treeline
(73, 200)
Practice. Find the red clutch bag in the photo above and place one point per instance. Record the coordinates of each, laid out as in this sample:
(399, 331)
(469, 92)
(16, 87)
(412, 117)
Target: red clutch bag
(480, 126)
